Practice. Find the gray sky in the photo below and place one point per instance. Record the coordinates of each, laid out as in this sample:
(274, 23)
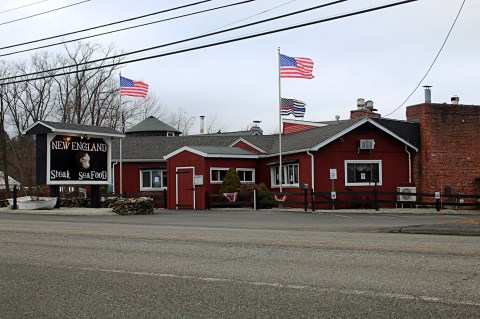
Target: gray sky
(380, 56)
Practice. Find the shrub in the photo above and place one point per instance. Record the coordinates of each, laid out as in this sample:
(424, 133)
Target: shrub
(263, 194)
(231, 183)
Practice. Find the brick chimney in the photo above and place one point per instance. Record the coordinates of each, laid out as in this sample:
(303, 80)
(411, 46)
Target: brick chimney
(364, 109)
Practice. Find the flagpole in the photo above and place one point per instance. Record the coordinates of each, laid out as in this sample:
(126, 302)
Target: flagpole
(121, 139)
(280, 124)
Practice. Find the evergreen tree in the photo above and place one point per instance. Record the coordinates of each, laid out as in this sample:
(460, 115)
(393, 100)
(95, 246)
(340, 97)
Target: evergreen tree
(231, 183)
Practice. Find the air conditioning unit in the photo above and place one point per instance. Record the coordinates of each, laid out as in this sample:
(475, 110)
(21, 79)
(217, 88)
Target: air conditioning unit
(406, 197)
(366, 144)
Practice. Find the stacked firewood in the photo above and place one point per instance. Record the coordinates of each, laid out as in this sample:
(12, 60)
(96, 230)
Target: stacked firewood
(75, 202)
(133, 206)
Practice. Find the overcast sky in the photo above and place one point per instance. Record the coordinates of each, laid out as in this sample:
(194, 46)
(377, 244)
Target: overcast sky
(380, 56)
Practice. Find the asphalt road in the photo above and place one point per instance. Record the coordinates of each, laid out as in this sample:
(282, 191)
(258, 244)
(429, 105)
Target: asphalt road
(235, 265)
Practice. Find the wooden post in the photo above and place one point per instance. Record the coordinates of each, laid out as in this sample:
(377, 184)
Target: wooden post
(305, 199)
(207, 200)
(14, 206)
(95, 196)
(165, 198)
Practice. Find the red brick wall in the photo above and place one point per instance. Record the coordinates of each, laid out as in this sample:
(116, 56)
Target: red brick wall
(450, 147)
(358, 114)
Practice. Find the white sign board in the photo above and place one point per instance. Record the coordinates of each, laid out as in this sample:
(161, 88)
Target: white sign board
(333, 173)
(333, 195)
(198, 180)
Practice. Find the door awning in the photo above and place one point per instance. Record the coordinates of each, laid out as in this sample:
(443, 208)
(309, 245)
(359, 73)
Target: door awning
(283, 162)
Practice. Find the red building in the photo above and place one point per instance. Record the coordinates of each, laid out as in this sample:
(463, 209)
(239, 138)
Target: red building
(362, 151)
(436, 149)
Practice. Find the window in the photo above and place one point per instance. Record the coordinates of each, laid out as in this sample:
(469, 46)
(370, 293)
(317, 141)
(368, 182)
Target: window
(363, 173)
(217, 175)
(246, 175)
(170, 134)
(289, 176)
(153, 179)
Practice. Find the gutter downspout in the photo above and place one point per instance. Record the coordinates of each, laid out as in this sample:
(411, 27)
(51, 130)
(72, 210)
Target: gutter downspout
(312, 170)
(113, 176)
(409, 164)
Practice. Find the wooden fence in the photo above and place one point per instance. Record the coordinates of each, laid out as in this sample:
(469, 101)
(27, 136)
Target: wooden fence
(373, 199)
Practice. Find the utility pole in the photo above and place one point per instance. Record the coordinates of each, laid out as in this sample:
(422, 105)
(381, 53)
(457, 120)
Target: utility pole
(3, 143)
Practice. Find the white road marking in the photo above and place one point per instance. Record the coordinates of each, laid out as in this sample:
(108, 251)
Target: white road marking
(278, 285)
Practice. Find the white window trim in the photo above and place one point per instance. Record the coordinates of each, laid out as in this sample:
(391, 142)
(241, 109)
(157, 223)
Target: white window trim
(273, 179)
(142, 188)
(170, 134)
(247, 170)
(217, 169)
(380, 178)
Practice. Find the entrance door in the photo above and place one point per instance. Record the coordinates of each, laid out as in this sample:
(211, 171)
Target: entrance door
(185, 188)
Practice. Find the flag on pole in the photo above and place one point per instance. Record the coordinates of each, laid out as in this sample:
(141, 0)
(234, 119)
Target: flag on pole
(296, 67)
(294, 107)
(133, 88)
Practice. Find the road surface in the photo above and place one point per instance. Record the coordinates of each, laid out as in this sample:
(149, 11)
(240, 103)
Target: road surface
(235, 265)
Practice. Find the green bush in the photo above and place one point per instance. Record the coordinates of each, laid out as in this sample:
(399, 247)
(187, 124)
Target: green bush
(263, 194)
(231, 183)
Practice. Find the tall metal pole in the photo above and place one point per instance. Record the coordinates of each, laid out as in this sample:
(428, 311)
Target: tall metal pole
(121, 139)
(280, 125)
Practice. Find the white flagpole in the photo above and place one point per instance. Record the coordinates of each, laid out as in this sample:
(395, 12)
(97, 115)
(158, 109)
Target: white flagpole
(120, 150)
(280, 124)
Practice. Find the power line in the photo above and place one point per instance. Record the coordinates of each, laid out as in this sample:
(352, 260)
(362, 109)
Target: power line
(184, 40)
(431, 65)
(128, 28)
(24, 6)
(257, 14)
(45, 12)
(301, 25)
(105, 25)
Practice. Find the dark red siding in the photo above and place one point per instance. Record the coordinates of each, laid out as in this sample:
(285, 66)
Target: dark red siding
(247, 147)
(131, 175)
(289, 128)
(202, 167)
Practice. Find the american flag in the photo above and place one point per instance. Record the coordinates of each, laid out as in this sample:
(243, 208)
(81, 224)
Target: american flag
(133, 88)
(296, 67)
(291, 106)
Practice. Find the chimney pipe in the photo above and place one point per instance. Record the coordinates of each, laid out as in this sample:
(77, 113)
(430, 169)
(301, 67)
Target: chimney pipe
(428, 94)
(455, 100)
(202, 124)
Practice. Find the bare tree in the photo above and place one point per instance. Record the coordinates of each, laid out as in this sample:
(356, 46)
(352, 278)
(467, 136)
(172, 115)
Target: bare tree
(138, 109)
(180, 120)
(88, 96)
(212, 124)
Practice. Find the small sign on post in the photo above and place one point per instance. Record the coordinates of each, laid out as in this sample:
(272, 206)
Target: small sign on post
(333, 195)
(333, 173)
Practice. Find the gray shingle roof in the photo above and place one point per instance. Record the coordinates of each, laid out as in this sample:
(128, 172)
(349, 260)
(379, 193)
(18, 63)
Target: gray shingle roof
(156, 147)
(138, 148)
(222, 150)
(152, 124)
(47, 126)
(409, 131)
